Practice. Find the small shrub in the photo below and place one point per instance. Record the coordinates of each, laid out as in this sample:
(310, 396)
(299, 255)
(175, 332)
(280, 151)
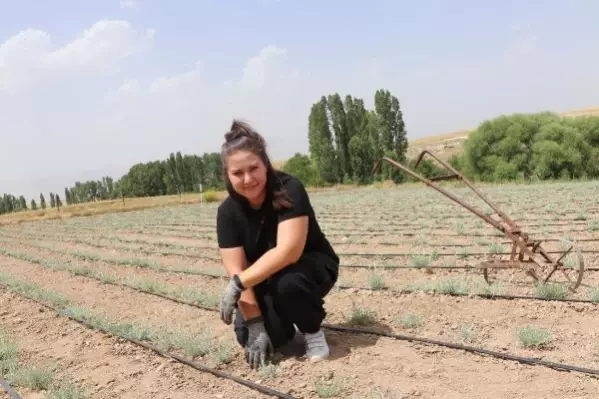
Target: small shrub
(532, 337)
(36, 379)
(328, 389)
(210, 196)
(551, 291)
(421, 261)
(9, 355)
(411, 321)
(361, 317)
(376, 282)
(467, 334)
(65, 391)
(269, 371)
(451, 287)
(495, 248)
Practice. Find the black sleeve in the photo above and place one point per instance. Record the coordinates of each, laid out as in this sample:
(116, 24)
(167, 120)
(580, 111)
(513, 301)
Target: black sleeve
(297, 194)
(227, 234)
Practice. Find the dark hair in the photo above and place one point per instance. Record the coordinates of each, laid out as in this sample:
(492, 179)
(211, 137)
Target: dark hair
(242, 137)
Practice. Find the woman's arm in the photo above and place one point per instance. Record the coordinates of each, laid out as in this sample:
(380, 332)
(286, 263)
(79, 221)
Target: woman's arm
(235, 262)
(291, 239)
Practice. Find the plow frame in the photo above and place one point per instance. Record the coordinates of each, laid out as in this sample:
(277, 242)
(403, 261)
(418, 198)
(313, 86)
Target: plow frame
(525, 253)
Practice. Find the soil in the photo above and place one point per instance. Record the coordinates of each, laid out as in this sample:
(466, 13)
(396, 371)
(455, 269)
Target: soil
(106, 367)
(363, 362)
(363, 366)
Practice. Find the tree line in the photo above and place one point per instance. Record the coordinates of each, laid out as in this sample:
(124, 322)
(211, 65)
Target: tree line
(176, 174)
(346, 139)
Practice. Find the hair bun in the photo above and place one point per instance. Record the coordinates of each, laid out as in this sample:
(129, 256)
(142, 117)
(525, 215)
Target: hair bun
(233, 135)
(241, 129)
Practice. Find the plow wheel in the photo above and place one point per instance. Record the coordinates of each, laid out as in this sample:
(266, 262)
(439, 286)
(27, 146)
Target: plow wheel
(569, 269)
(516, 267)
(566, 267)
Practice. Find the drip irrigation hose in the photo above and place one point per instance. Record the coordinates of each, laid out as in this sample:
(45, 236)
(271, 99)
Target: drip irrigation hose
(343, 287)
(263, 389)
(8, 389)
(257, 387)
(505, 356)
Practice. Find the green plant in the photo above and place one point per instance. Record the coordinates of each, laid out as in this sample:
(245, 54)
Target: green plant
(532, 337)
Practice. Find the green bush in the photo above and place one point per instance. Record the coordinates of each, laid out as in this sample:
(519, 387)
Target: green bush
(532, 146)
(210, 196)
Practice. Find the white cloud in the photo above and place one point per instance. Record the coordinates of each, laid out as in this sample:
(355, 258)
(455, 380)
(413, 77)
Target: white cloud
(129, 4)
(27, 58)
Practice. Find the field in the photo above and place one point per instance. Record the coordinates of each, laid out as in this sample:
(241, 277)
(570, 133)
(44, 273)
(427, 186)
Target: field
(153, 276)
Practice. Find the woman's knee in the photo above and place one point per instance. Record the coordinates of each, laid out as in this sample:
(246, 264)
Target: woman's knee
(306, 278)
(290, 285)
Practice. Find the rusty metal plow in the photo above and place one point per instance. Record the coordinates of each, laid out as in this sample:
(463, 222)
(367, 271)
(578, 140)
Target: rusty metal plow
(526, 254)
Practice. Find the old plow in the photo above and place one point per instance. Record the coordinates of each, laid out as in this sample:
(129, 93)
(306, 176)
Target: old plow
(526, 254)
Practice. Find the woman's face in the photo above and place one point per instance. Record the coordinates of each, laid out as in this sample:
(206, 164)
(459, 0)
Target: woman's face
(247, 174)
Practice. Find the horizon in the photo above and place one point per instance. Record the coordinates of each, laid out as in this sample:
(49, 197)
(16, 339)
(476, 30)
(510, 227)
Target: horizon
(88, 90)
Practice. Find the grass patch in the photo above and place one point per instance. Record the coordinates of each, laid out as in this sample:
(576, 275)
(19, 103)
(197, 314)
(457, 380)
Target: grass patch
(411, 321)
(65, 390)
(328, 389)
(376, 282)
(270, 371)
(191, 343)
(34, 378)
(450, 287)
(551, 291)
(361, 317)
(536, 338)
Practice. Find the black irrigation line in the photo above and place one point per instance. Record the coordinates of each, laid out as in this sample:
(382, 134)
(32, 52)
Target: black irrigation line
(181, 359)
(266, 390)
(349, 266)
(8, 389)
(338, 286)
(398, 254)
(505, 356)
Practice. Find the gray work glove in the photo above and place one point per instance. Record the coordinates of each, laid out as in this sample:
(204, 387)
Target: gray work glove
(258, 347)
(230, 298)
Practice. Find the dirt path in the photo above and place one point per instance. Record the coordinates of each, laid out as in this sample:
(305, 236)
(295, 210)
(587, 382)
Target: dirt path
(107, 367)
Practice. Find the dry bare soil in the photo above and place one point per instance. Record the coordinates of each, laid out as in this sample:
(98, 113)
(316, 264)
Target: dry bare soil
(118, 271)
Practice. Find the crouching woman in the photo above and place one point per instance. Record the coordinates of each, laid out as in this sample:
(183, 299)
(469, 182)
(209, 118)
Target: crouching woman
(280, 264)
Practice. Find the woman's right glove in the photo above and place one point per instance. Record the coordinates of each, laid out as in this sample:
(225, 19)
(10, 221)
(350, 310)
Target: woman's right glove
(258, 347)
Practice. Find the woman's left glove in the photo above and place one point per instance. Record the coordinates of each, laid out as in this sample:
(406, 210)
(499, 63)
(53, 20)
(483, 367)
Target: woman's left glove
(229, 300)
(258, 347)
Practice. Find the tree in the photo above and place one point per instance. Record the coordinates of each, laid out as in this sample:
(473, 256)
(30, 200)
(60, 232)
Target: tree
(320, 143)
(302, 167)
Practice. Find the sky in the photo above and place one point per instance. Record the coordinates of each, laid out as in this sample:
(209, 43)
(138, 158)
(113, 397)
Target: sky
(89, 88)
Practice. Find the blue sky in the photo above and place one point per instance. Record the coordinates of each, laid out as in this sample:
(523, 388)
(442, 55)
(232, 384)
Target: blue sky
(88, 88)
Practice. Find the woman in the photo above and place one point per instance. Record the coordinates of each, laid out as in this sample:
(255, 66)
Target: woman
(280, 264)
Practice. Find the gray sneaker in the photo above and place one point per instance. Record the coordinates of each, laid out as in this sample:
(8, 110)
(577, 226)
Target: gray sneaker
(316, 346)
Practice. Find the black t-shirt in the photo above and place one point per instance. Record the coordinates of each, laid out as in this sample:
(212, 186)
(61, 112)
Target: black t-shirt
(238, 225)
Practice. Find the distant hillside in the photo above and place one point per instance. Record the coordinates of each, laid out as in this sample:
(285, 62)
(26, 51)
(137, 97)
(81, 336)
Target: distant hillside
(445, 145)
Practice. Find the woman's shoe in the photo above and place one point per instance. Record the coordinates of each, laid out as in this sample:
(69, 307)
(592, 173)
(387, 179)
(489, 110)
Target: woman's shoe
(316, 346)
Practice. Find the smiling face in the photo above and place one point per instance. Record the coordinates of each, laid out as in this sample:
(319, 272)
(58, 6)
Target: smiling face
(247, 174)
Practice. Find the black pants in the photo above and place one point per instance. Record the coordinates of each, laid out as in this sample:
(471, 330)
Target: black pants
(294, 295)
